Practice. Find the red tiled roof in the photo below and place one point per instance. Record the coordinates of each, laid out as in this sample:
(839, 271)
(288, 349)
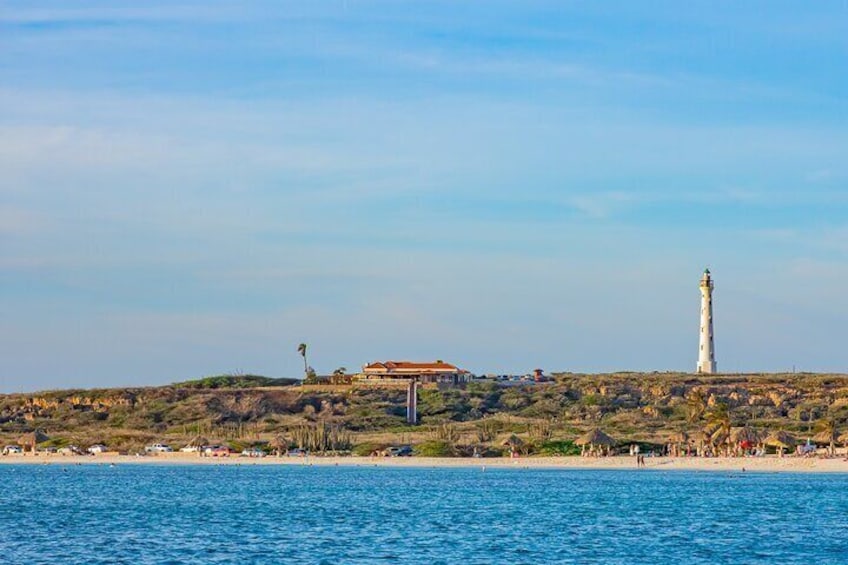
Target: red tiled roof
(412, 366)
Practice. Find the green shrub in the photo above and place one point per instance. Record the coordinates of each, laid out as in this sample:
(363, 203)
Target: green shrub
(55, 442)
(235, 381)
(559, 447)
(592, 400)
(434, 448)
(367, 448)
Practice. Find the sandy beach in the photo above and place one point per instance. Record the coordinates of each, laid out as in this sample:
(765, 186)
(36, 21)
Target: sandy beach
(767, 464)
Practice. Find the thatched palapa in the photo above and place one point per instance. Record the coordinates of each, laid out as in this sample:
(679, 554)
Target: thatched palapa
(513, 441)
(781, 439)
(745, 435)
(827, 436)
(678, 437)
(595, 437)
(32, 439)
(700, 437)
(198, 441)
(279, 443)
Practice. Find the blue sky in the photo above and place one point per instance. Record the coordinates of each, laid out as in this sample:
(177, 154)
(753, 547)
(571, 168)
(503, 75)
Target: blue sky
(194, 188)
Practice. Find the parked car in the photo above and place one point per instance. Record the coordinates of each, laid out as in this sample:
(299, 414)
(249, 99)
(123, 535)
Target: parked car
(253, 452)
(402, 451)
(97, 448)
(297, 452)
(70, 450)
(221, 451)
(216, 451)
(158, 448)
(191, 449)
(12, 450)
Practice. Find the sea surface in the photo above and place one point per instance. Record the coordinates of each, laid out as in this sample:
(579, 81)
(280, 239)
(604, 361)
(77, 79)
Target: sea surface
(138, 514)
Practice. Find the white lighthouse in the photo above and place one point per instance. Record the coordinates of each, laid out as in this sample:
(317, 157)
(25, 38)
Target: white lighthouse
(706, 349)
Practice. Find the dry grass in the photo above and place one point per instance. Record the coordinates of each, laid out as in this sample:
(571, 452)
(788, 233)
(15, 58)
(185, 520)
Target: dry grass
(644, 407)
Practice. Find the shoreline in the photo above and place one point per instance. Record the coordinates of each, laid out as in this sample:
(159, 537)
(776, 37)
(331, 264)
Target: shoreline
(768, 464)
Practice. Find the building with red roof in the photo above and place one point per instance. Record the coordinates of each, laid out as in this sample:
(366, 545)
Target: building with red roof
(400, 371)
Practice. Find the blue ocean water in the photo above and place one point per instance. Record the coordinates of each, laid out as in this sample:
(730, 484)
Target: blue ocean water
(143, 514)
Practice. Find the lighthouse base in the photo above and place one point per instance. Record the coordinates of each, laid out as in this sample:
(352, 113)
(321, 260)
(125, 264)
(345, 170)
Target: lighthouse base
(707, 367)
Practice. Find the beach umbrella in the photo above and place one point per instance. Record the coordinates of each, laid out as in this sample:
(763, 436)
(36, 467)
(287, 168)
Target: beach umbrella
(32, 439)
(781, 440)
(594, 437)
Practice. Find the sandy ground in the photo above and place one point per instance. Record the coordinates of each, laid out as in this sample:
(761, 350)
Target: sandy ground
(759, 464)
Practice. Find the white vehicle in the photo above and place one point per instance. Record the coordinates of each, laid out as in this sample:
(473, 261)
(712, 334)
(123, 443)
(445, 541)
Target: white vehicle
(191, 449)
(806, 448)
(69, 450)
(12, 450)
(97, 448)
(158, 448)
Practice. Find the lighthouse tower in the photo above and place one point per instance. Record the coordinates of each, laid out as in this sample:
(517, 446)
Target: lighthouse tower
(706, 349)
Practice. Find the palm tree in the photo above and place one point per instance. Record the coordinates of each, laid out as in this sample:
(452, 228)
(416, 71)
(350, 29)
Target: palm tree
(339, 374)
(695, 406)
(719, 423)
(827, 432)
(302, 350)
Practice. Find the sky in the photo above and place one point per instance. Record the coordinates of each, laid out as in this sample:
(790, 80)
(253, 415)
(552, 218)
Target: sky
(195, 188)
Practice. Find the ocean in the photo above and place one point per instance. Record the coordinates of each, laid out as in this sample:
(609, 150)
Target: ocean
(140, 514)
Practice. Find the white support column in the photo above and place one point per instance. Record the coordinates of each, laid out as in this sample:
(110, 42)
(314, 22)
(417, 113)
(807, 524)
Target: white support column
(412, 402)
(706, 347)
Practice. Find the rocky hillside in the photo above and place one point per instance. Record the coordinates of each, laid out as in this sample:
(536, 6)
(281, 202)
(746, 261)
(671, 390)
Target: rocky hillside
(252, 410)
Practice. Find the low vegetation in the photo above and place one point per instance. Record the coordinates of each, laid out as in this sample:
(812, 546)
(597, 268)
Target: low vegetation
(236, 381)
(249, 410)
